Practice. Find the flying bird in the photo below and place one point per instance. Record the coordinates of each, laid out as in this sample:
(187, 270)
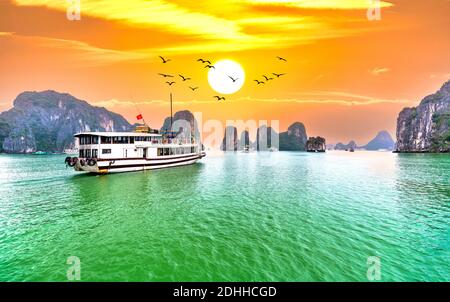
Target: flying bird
(164, 60)
(278, 74)
(166, 75)
(258, 82)
(233, 79)
(184, 78)
(267, 79)
(210, 66)
(219, 97)
(281, 59)
(204, 61)
(193, 88)
(170, 83)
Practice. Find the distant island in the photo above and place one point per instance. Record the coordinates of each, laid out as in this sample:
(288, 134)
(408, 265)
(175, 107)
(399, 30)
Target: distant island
(382, 141)
(47, 120)
(294, 139)
(350, 145)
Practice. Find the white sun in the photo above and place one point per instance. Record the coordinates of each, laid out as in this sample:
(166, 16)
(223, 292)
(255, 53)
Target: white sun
(227, 77)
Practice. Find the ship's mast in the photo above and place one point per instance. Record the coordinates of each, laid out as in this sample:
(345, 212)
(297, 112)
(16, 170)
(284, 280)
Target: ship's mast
(171, 116)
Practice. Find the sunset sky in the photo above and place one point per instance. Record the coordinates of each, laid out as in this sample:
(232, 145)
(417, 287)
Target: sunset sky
(347, 77)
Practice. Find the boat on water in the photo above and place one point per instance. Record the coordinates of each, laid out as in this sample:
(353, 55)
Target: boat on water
(71, 151)
(40, 153)
(143, 149)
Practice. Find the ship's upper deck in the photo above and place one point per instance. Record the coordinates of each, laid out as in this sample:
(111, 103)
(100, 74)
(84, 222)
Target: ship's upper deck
(113, 134)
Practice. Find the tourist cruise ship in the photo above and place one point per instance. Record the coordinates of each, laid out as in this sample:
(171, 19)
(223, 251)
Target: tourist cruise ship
(144, 149)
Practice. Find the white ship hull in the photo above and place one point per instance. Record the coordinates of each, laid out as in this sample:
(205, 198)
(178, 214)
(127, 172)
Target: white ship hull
(133, 165)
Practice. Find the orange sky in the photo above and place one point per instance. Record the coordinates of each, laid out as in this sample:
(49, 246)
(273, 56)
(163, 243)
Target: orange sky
(347, 77)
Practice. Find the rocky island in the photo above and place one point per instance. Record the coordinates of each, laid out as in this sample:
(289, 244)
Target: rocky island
(47, 120)
(294, 139)
(316, 144)
(426, 128)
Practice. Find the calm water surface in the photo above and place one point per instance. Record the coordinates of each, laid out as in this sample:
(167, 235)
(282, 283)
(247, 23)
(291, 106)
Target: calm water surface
(234, 217)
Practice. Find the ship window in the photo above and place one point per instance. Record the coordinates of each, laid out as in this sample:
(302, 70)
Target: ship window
(81, 140)
(94, 140)
(94, 153)
(120, 140)
(106, 140)
(172, 151)
(160, 152)
(106, 151)
(88, 153)
(166, 151)
(81, 152)
(131, 140)
(192, 149)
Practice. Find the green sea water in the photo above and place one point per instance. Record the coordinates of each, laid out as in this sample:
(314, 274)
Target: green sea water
(235, 217)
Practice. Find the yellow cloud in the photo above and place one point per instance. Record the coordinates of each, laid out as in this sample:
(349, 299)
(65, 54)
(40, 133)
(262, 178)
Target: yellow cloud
(351, 98)
(324, 4)
(151, 13)
(379, 70)
(233, 27)
(321, 98)
(79, 53)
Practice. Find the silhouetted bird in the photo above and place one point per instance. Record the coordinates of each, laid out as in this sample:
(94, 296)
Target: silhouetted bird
(233, 79)
(281, 59)
(210, 66)
(166, 75)
(170, 83)
(184, 78)
(267, 79)
(219, 97)
(193, 88)
(204, 61)
(258, 82)
(278, 74)
(165, 60)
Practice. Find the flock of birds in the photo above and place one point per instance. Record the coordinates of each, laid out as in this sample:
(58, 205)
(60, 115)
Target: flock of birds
(209, 65)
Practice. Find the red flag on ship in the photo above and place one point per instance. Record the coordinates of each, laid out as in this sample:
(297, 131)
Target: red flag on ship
(139, 117)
